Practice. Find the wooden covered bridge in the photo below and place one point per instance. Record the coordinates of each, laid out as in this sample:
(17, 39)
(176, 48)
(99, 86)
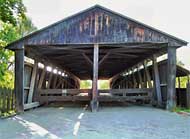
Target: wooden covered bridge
(94, 44)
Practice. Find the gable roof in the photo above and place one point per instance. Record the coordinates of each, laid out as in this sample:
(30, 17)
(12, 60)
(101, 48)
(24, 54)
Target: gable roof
(31, 37)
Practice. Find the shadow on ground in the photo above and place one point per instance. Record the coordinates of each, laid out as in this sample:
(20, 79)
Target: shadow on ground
(129, 122)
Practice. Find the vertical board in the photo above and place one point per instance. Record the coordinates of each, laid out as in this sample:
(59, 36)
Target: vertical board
(19, 79)
(157, 81)
(94, 102)
(32, 82)
(171, 78)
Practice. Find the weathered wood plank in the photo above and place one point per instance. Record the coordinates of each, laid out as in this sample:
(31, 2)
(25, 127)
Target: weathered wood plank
(32, 82)
(78, 91)
(89, 61)
(147, 75)
(94, 102)
(188, 94)
(19, 79)
(134, 79)
(60, 82)
(140, 77)
(63, 91)
(103, 59)
(157, 81)
(3, 100)
(122, 99)
(55, 81)
(63, 98)
(31, 105)
(49, 80)
(130, 91)
(42, 77)
(171, 78)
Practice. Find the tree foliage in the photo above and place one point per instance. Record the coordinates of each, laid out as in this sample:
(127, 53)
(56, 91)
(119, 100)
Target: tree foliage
(86, 84)
(11, 11)
(103, 84)
(183, 80)
(8, 33)
(13, 24)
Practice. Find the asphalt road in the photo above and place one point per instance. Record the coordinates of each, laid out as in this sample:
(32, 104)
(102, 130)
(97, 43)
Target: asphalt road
(130, 122)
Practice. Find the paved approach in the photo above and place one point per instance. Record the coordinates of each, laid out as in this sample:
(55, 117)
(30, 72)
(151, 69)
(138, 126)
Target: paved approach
(131, 122)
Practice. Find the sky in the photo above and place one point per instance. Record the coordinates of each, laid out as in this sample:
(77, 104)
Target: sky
(170, 16)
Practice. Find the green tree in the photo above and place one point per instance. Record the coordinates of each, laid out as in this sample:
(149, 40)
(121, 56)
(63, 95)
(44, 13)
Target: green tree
(183, 80)
(25, 26)
(85, 84)
(103, 84)
(11, 11)
(13, 24)
(8, 33)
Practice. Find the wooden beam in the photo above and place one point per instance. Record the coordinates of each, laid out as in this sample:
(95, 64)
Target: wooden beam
(59, 81)
(157, 81)
(188, 94)
(179, 83)
(134, 79)
(125, 55)
(50, 79)
(140, 46)
(47, 61)
(63, 91)
(32, 82)
(140, 77)
(89, 61)
(42, 77)
(19, 80)
(114, 77)
(147, 75)
(144, 79)
(103, 59)
(31, 105)
(94, 102)
(55, 81)
(171, 78)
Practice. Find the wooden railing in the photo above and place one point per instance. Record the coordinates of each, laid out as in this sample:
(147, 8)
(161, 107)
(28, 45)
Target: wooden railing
(48, 95)
(7, 101)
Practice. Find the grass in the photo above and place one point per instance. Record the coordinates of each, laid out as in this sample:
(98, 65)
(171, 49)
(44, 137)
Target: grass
(180, 109)
(7, 114)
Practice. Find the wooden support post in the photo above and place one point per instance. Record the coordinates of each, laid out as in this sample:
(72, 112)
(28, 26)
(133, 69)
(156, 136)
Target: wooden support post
(144, 79)
(55, 81)
(188, 93)
(140, 77)
(32, 82)
(134, 79)
(179, 83)
(147, 75)
(19, 80)
(42, 78)
(126, 82)
(130, 80)
(87, 59)
(171, 78)
(50, 79)
(157, 81)
(94, 102)
(59, 82)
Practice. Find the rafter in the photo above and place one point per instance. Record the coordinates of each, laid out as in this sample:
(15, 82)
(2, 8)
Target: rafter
(103, 59)
(89, 61)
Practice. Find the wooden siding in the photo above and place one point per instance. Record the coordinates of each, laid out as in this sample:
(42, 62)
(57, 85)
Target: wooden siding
(97, 25)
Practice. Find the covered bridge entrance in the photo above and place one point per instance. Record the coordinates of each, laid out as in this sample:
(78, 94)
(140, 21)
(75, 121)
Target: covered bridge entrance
(94, 44)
